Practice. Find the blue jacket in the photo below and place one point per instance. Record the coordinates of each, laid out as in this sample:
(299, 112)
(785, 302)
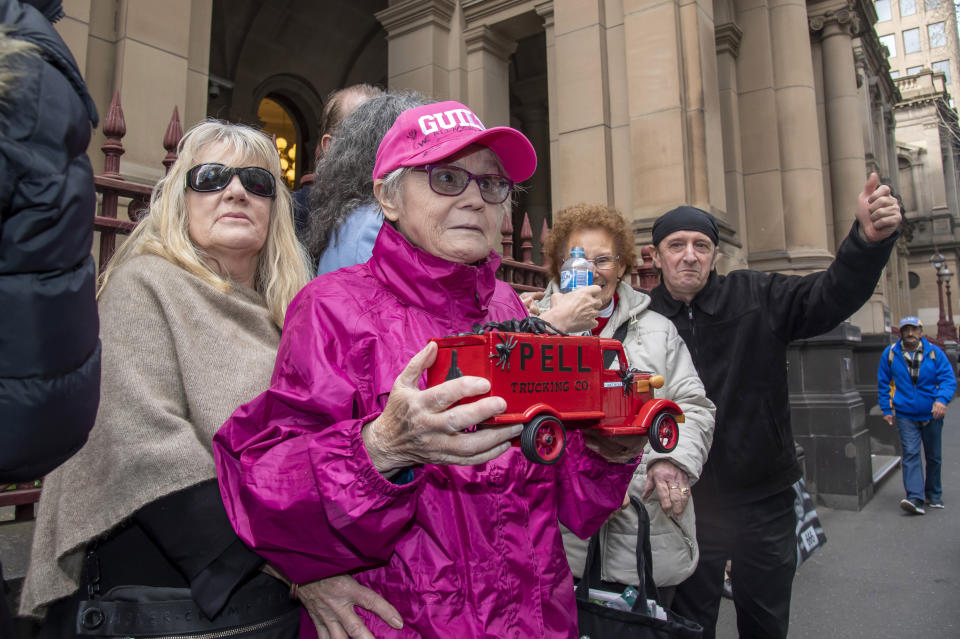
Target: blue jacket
(936, 382)
(353, 242)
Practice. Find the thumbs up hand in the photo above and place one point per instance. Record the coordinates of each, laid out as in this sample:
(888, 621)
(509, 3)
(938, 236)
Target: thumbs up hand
(877, 211)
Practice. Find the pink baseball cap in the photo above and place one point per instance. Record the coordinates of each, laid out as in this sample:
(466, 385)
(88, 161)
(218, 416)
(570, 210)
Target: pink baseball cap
(430, 133)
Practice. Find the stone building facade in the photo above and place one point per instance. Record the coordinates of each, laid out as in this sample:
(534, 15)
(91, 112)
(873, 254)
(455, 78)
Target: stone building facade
(768, 113)
(928, 144)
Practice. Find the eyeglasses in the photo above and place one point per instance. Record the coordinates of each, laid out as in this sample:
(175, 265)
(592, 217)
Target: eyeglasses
(205, 178)
(449, 180)
(605, 262)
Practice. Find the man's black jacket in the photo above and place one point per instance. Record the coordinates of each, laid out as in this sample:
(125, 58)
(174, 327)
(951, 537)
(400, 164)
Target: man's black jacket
(49, 346)
(737, 329)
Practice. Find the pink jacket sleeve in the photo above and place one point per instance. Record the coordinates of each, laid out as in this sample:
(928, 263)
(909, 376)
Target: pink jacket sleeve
(295, 478)
(589, 488)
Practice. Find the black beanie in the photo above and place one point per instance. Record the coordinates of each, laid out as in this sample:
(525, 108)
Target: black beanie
(685, 218)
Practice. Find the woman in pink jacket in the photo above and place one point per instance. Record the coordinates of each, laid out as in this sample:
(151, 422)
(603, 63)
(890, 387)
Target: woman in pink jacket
(348, 465)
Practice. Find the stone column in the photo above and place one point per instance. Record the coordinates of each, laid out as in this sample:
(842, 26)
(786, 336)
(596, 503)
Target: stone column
(921, 194)
(934, 168)
(418, 45)
(844, 128)
(536, 127)
(800, 173)
(949, 170)
(728, 37)
(156, 54)
(889, 128)
(869, 108)
(579, 88)
(816, 50)
(676, 142)
(760, 137)
(488, 81)
(545, 11)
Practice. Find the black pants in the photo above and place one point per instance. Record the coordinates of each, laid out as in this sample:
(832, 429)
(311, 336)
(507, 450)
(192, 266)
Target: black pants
(761, 540)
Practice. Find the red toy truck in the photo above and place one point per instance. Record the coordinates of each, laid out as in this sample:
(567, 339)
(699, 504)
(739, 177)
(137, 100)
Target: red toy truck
(551, 382)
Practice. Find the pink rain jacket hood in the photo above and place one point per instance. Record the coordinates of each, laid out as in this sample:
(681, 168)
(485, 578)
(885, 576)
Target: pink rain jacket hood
(461, 551)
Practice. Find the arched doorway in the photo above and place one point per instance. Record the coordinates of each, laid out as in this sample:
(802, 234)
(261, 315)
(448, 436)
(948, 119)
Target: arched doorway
(291, 52)
(279, 122)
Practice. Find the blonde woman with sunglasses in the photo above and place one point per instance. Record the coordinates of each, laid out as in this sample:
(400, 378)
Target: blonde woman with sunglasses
(132, 538)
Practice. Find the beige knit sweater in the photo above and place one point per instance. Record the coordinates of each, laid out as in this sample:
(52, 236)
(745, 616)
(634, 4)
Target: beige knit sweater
(178, 358)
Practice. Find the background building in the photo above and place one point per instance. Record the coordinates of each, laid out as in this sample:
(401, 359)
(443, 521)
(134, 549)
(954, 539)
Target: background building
(928, 140)
(924, 54)
(767, 113)
(920, 34)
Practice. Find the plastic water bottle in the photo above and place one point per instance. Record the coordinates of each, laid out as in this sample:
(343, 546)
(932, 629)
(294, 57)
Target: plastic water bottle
(576, 272)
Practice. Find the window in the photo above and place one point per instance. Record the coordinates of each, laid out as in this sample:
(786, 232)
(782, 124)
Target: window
(908, 7)
(911, 40)
(930, 5)
(894, 74)
(943, 67)
(278, 122)
(937, 33)
(883, 10)
(913, 70)
(889, 41)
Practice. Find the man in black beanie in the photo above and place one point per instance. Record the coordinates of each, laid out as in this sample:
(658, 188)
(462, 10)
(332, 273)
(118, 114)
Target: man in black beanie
(737, 328)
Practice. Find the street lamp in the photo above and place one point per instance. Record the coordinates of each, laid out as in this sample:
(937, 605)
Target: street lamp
(945, 327)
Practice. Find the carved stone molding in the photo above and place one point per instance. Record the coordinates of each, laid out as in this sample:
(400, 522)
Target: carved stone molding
(545, 11)
(411, 15)
(478, 10)
(728, 37)
(847, 20)
(483, 38)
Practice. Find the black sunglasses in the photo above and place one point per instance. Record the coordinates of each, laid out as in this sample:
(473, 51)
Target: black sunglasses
(205, 178)
(450, 180)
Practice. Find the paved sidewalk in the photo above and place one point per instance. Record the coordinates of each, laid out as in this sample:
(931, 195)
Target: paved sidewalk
(882, 574)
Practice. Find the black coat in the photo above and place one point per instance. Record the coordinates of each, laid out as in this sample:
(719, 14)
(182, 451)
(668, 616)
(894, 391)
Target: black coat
(49, 346)
(737, 329)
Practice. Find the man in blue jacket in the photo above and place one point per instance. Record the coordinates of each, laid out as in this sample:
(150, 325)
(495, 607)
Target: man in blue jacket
(916, 377)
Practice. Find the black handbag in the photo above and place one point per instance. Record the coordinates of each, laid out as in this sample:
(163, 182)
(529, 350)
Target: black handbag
(596, 621)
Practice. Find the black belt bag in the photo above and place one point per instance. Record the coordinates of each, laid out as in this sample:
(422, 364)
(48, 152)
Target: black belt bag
(260, 608)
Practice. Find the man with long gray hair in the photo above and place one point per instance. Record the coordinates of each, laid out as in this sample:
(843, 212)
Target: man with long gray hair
(344, 216)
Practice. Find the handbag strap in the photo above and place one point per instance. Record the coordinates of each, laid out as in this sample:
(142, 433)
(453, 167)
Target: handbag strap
(620, 334)
(591, 569)
(646, 589)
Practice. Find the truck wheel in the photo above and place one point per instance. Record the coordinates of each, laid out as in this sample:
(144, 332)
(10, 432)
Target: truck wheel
(543, 440)
(664, 433)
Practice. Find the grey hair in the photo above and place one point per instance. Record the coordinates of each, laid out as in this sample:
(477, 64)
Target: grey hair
(393, 184)
(344, 176)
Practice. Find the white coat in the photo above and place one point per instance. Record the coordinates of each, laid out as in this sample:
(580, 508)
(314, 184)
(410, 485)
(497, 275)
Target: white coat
(653, 344)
